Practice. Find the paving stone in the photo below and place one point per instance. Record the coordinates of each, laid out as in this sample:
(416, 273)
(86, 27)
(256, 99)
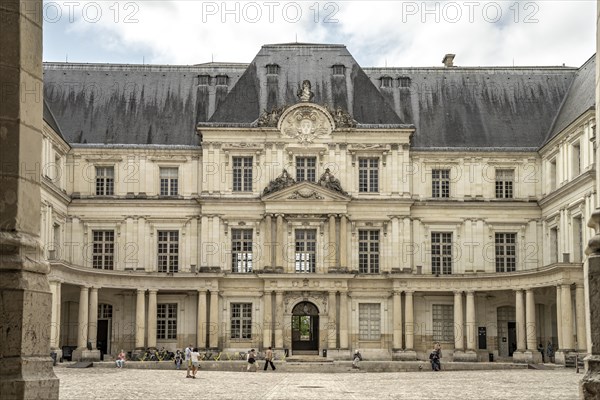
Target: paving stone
(105, 383)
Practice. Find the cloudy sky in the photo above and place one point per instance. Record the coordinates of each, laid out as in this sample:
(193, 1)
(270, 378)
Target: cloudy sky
(377, 33)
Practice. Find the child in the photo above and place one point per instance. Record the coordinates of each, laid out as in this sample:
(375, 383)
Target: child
(178, 359)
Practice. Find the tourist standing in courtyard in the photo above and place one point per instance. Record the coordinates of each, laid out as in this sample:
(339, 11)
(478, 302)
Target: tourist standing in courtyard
(550, 352)
(269, 359)
(356, 358)
(195, 359)
(178, 359)
(435, 356)
(188, 360)
(251, 358)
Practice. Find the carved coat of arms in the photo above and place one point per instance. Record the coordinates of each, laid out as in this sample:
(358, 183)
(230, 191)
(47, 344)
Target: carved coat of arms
(306, 124)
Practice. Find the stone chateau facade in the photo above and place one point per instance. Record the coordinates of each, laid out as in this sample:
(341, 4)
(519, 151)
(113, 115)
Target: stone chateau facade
(307, 203)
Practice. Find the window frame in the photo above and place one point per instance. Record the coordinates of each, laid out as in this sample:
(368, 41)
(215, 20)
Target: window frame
(369, 250)
(369, 321)
(167, 260)
(440, 183)
(305, 169)
(441, 253)
(368, 174)
(305, 259)
(171, 183)
(241, 244)
(505, 251)
(104, 183)
(166, 324)
(443, 328)
(240, 322)
(243, 174)
(105, 258)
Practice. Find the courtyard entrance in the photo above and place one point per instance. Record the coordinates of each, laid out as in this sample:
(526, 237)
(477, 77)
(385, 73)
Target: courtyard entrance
(305, 329)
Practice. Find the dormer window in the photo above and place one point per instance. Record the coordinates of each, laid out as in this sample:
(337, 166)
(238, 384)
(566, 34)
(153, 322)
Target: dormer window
(221, 80)
(404, 81)
(386, 82)
(272, 69)
(339, 69)
(203, 80)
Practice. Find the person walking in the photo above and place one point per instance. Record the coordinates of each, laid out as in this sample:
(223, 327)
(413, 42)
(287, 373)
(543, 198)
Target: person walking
(435, 356)
(251, 358)
(541, 350)
(188, 360)
(269, 359)
(550, 351)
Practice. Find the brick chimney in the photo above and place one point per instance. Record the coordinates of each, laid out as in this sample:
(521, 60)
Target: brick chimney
(449, 60)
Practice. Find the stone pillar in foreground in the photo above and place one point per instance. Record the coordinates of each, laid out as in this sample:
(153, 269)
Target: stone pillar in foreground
(140, 320)
(152, 314)
(267, 319)
(82, 324)
(344, 320)
(25, 299)
(201, 320)
(213, 333)
(471, 328)
(409, 352)
(397, 321)
(279, 323)
(590, 384)
(93, 326)
(332, 314)
(580, 318)
(531, 327)
(55, 287)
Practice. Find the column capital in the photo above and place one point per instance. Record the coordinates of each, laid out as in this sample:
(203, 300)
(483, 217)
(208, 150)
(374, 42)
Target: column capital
(202, 291)
(409, 292)
(141, 291)
(84, 288)
(529, 290)
(152, 291)
(93, 289)
(214, 292)
(518, 290)
(458, 292)
(470, 292)
(397, 292)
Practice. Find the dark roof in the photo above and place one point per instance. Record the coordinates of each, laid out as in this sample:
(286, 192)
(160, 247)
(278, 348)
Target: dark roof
(133, 104)
(51, 121)
(477, 107)
(450, 107)
(256, 91)
(580, 98)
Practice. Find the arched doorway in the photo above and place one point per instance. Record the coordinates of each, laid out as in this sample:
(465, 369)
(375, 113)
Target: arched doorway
(305, 328)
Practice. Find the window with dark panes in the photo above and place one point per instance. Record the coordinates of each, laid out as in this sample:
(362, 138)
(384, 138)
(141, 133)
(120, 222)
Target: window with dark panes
(105, 181)
(306, 169)
(504, 183)
(368, 175)
(368, 251)
(241, 321)
(168, 251)
(306, 250)
(506, 252)
(441, 253)
(242, 174)
(440, 183)
(241, 250)
(169, 181)
(103, 249)
(166, 321)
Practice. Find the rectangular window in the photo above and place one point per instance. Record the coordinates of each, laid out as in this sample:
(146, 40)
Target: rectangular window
(169, 181)
(306, 169)
(241, 250)
(441, 253)
(203, 80)
(506, 252)
(504, 183)
(339, 70)
(241, 321)
(242, 174)
(576, 160)
(221, 80)
(306, 250)
(552, 175)
(368, 251)
(103, 249)
(369, 321)
(443, 322)
(105, 181)
(368, 175)
(168, 251)
(440, 183)
(404, 81)
(166, 321)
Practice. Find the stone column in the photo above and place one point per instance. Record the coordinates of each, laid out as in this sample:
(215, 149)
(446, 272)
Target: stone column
(567, 317)
(344, 320)
(55, 288)
(152, 318)
(279, 242)
(25, 298)
(82, 320)
(397, 321)
(559, 331)
(279, 320)
(530, 327)
(520, 317)
(459, 338)
(333, 247)
(201, 320)
(590, 384)
(267, 239)
(409, 327)
(580, 317)
(267, 319)
(140, 319)
(213, 333)
(470, 323)
(343, 242)
(93, 317)
(332, 331)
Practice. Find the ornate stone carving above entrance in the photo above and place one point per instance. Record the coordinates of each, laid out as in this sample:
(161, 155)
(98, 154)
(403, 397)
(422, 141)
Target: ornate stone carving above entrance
(281, 182)
(306, 122)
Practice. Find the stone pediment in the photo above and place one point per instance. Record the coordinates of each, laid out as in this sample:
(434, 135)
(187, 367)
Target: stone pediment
(305, 191)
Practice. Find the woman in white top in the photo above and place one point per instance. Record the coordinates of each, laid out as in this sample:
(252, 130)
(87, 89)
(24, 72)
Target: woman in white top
(195, 356)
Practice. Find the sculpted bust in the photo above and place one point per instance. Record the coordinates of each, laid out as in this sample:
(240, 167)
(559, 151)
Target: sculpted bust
(305, 94)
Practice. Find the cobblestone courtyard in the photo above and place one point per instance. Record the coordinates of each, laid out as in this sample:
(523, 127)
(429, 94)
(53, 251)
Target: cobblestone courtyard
(104, 383)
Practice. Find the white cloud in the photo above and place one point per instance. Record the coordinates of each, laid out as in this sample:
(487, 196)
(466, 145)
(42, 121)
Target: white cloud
(405, 33)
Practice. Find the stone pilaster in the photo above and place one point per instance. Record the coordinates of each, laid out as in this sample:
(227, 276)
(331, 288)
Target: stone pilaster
(520, 317)
(343, 242)
(530, 328)
(333, 247)
(25, 298)
(470, 329)
(279, 244)
(267, 239)
(409, 352)
(567, 317)
(397, 321)
(332, 331)
(459, 341)
(344, 320)
(580, 318)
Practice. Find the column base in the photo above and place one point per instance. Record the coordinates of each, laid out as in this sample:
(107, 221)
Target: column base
(560, 357)
(527, 357)
(28, 378)
(589, 387)
(83, 354)
(464, 356)
(407, 355)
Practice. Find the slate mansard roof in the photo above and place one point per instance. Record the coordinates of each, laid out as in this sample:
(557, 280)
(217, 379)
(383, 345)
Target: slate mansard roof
(450, 107)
